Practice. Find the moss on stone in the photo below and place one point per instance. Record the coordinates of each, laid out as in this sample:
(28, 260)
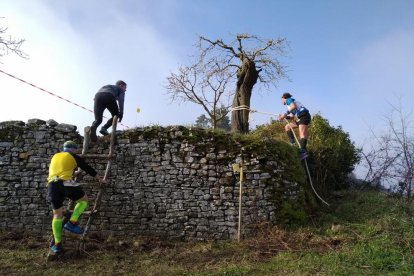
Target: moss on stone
(10, 133)
(289, 208)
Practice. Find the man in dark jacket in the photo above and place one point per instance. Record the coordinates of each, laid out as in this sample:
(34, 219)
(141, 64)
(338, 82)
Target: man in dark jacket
(106, 98)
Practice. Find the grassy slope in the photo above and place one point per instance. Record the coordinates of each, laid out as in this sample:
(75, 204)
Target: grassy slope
(362, 233)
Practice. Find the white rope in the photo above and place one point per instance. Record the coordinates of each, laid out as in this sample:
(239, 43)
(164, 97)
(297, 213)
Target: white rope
(306, 165)
(245, 107)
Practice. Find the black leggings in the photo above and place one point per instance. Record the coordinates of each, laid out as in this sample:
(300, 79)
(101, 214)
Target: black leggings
(104, 100)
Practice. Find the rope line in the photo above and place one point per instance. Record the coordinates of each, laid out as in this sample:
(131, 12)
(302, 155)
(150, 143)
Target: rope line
(50, 93)
(306, 165)
(245, 107)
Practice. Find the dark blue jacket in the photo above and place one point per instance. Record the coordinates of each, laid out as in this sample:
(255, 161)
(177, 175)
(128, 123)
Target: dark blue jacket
(118, 94)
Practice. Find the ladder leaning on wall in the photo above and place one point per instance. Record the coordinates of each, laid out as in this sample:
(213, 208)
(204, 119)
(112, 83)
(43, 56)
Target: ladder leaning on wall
(95, 209)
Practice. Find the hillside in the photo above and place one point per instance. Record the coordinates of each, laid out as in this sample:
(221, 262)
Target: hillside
(362, 233)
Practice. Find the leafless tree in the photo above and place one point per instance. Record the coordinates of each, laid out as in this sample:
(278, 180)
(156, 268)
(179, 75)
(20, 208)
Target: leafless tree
(203, 84)
(10, 44)
(390, 160)
(241, 62)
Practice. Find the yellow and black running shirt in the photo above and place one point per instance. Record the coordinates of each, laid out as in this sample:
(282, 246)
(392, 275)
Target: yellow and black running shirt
(63, 165)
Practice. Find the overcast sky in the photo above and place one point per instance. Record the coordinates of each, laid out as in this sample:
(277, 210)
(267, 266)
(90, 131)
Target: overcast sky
(349, 58)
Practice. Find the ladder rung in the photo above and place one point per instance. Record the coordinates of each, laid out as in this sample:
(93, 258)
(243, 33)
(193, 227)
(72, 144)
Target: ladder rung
(83, 213)
(99, 156)
(89, 212)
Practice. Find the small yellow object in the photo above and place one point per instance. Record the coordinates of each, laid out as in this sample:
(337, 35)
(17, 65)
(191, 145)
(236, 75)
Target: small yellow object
(236, 168)
(138, 110)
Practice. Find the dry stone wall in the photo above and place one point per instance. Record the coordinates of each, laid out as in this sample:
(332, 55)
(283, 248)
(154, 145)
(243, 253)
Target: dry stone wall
(174, 182)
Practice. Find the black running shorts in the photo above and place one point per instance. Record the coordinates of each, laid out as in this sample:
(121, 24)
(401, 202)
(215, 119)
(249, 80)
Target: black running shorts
(304, 119)
(57, 192)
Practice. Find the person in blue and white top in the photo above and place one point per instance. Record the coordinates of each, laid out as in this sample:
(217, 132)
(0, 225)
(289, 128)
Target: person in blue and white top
(300, 118)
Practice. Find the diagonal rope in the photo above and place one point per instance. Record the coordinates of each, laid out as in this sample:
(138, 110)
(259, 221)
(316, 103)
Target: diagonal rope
(306, 165)
(245, 107)
(55, 95)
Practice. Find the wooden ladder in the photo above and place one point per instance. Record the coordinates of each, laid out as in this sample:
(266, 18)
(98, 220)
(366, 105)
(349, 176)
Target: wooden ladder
(109, 157)
(68, 254)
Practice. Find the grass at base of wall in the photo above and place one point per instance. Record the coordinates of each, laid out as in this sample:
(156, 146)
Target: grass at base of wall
(362, 233)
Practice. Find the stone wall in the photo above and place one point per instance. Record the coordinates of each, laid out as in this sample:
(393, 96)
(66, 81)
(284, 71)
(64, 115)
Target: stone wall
(174, 182)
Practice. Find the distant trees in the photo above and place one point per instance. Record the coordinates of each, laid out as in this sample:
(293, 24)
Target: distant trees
(10, 44)
(218, 64)
(202, 121)
(222, 123)
(389, 159)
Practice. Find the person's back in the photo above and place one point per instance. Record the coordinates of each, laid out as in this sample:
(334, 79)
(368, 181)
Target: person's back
(113, 89)
(62, 166)
(106, 98)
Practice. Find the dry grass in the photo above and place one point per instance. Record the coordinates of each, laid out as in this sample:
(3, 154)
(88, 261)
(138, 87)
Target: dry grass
(364, 234)
(152, 255)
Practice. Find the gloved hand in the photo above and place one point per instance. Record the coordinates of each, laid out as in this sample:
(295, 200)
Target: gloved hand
(78, 175)
(100, 180)
(120, 117)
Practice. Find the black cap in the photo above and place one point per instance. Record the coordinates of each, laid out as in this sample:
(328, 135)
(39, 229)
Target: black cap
(286, 95)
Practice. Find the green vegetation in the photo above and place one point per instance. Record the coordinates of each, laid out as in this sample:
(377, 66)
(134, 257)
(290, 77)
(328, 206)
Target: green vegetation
(219, 120)
(332, 154)
(8, 133)
(362, 233)
(332, 157)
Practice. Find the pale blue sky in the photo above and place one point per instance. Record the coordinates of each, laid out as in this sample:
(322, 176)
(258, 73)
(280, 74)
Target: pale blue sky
(348, 57)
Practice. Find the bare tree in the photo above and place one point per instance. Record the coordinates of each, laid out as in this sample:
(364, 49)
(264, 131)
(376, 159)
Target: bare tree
(253, 59)
(203, 84)
(390, 160)
(242, 62)
(9, 44)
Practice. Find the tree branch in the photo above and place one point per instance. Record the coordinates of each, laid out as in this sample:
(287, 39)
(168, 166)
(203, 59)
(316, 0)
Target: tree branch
(10, 44)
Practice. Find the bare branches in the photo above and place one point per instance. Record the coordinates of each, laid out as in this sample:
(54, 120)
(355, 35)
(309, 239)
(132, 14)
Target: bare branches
(219, 64)
(203, 84)
(218, 43)
(390, 160)
(263, 52)
(10, 44)
(183, 86)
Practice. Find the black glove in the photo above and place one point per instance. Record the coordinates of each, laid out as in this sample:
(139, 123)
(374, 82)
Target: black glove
(120, 117)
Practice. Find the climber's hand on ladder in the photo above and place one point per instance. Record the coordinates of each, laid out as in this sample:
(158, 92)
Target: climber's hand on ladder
(100, 179)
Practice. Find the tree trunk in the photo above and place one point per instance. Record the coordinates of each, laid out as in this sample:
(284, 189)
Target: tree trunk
(247, 77)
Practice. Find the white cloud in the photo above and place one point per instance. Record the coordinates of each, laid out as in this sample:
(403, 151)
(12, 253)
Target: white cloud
(386, 66)
(381, 73)
(55, 64)
(74, 60)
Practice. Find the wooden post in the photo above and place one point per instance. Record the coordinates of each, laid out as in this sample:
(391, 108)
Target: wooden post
(240, 197)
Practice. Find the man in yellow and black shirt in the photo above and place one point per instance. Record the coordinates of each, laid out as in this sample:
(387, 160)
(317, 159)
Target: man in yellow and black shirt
(61, 184)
